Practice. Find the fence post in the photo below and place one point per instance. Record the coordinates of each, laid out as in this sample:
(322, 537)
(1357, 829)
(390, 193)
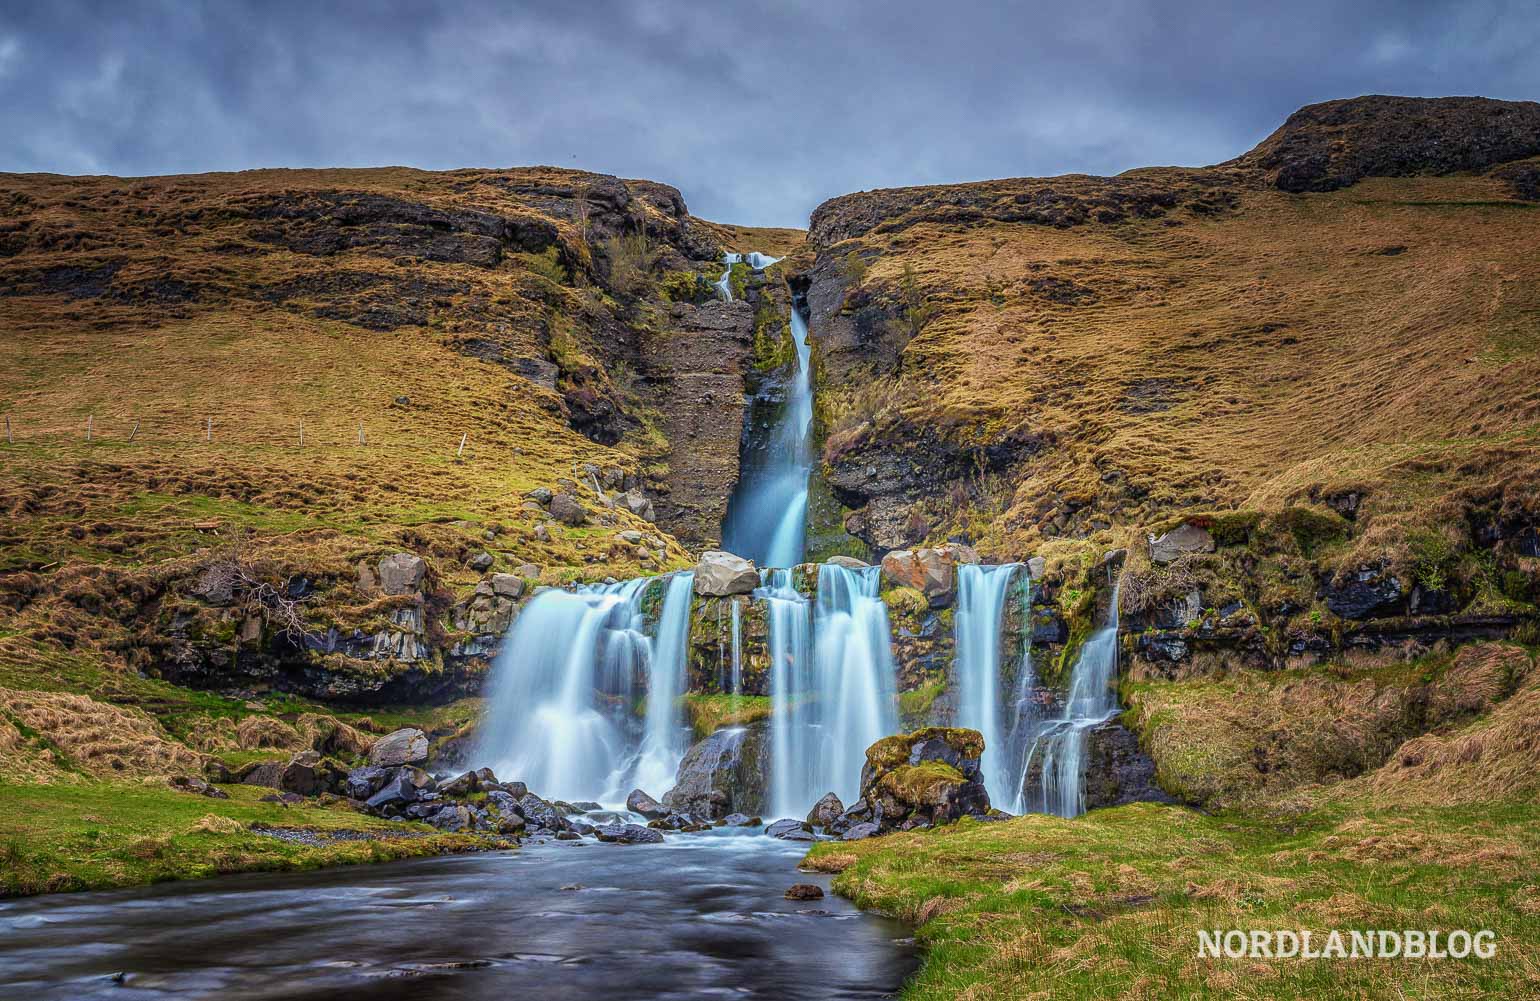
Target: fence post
(208, 429)
(361, 433)
(301, 434)
(89, 419)
(135, 432)
(8, 429)
(461, 450)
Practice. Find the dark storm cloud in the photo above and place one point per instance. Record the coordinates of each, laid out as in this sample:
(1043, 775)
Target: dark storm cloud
(756, 111)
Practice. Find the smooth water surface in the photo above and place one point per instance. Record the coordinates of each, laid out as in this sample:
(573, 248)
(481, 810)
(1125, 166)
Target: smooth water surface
(699, 916)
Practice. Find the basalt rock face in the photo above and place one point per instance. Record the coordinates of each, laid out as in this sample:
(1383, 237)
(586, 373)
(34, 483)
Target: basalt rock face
(1334, 144)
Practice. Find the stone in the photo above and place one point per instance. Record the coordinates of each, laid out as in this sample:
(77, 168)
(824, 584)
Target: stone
(720, 574)
(738, 820)
(528, 571)
(790, 830)
(630, 536)
(826, 811)
(568, 510)
(407, 746)
(727, 772)
(628, 834)
(364, 782)
(462, 785)
(930, 776)
(454, 817)
(1036, 567)
(540, 813)
(540, 495)
(507, 585)
(308, 774)
(848, 562)
(860, 831)
(804, 891)
(1364, 592)
(1184, 539)
(482, 561)
(640, 802)
(197, 786)
(402, 573)
(637, 503)
(397, 793)
(932, 572)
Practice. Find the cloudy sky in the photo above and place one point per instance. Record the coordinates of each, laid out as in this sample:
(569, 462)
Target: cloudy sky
(756, 111)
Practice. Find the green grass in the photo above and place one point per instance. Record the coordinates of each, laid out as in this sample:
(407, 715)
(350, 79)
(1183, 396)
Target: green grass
(1110, 904)
(711, 712)
(99, 835)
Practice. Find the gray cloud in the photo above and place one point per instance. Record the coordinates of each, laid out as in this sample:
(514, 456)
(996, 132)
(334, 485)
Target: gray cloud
(755, 111)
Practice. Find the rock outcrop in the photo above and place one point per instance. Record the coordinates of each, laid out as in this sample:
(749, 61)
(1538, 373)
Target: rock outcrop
(721, 574)
(920, 779)
(727, 772)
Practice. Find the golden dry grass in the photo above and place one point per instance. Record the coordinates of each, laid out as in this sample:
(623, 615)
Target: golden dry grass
(101, 740)
(1381, 338)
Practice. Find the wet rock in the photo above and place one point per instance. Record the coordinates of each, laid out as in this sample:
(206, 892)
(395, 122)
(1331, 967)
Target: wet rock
(541, 814)
(720, 574)
(804, 891)
(398, 792)
(790, 830)
(930, 776)
(826, 811)
(401, 573)
(738, 820)
(640, 802)
(860, 831)
(848, 562)
(726, 772)
(568, 510)
(454, 817)
(1184, 539)
(628, 834)
(462, 785)
(1117, 771)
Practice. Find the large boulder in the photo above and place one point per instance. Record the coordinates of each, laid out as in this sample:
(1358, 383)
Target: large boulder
(924, 778)
(407, 746)
(637, 503)
(640, 802)
(568, 510)
(727, 772)
(1184, 539)
(720, 574)
(932, 572)
(627, 834)
(402, 573)
(826, 811)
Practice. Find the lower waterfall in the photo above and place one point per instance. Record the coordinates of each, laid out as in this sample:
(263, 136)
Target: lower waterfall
(982, 592)
(1056, 762)
(562, 694)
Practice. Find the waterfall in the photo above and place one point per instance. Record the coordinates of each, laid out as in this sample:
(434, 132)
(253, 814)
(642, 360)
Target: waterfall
(980, 615)
(1024, 720)
(833, 697)
(737, 618)
(561, 694)
(1060, 746)
(789, 628)
(772, 484)
(755, 260)
(663, 738)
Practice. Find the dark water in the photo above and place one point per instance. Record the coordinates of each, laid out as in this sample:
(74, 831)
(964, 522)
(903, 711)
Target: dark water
(700, 916)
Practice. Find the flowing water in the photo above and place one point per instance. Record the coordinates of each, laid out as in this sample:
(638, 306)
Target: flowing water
(698, 916)
(767, 514)
(833, 698)
(560, 697)
(1059, 751)
(982, 593)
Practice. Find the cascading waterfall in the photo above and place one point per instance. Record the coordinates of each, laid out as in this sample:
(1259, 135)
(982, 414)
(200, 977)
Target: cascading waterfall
(663, 739)
(982, 592)
(1023, 720)
(772, 486)
(829, 707)
(1060, 746)
(560, 697)
(790, 631)
(755, 260)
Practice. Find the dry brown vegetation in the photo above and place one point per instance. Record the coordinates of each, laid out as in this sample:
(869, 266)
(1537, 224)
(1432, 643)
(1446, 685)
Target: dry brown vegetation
(1379, 339)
